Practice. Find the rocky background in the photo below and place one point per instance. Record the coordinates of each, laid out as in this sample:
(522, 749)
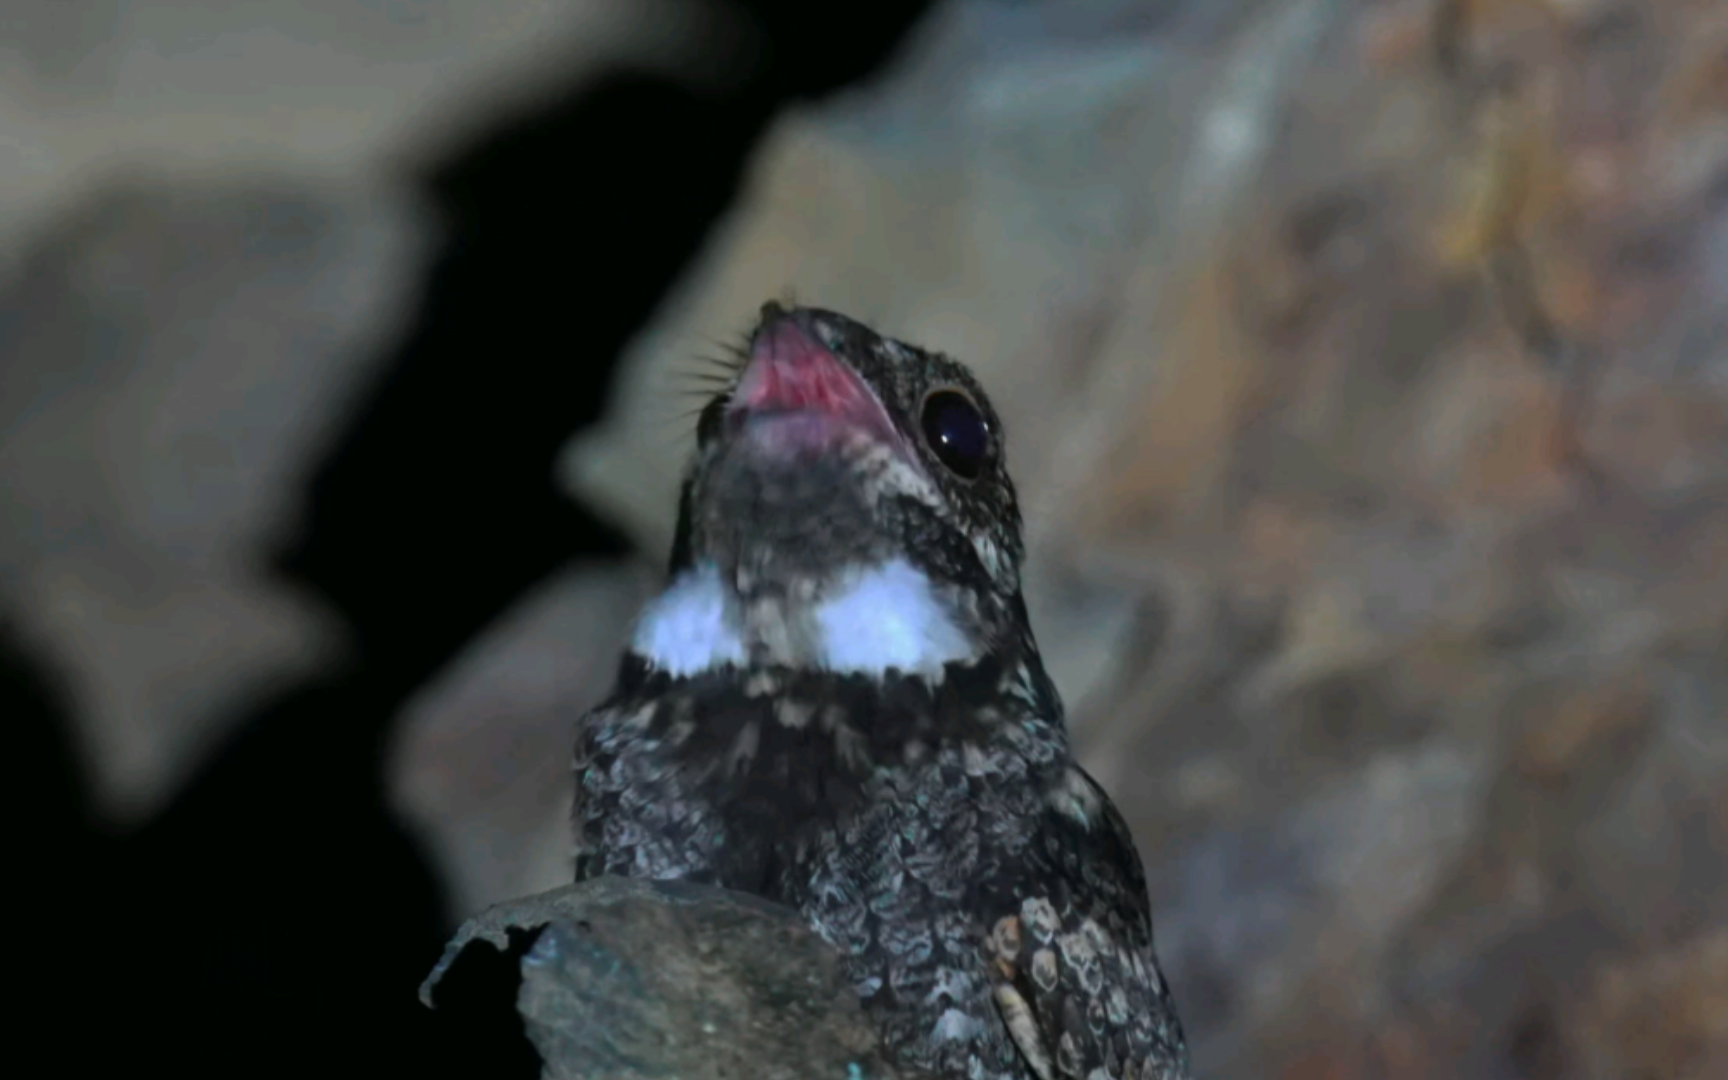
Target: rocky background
(1365, 372)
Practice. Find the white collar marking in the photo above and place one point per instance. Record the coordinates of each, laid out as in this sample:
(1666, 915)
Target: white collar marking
(687, 629)
(889, 617)
(885, 617)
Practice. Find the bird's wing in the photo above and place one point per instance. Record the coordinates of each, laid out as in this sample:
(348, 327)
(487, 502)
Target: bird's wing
(1075, 977)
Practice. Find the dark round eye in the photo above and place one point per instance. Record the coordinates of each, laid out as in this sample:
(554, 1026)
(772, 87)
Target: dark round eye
(956, 433)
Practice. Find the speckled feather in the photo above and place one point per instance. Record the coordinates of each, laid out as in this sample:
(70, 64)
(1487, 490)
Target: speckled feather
(984, 891)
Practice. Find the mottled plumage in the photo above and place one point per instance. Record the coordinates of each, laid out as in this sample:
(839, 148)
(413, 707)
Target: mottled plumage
(838, 704)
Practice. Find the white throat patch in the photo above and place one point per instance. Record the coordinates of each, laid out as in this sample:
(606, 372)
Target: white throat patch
(888, 617)
(688, 628)
(883, 618)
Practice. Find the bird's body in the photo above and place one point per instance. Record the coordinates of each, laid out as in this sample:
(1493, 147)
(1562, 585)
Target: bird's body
(838, 705)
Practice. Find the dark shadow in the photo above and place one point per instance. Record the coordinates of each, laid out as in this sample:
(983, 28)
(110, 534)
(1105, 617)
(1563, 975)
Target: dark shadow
(476, 1002)
(52, 853)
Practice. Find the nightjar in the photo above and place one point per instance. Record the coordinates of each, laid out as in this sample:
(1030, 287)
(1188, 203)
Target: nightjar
(837, 704)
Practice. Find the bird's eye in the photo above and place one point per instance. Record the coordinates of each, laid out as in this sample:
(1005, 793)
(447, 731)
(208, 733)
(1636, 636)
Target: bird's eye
(956, 433)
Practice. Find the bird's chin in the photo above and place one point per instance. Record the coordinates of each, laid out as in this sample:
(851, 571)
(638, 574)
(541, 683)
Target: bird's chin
(786, 496)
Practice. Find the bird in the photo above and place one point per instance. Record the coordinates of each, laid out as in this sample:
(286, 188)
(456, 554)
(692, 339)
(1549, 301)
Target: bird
(837, 704)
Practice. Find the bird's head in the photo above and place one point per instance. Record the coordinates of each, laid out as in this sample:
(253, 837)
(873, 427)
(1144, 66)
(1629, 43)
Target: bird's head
(847, 507)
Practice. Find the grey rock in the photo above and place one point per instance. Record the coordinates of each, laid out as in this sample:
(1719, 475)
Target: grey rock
(634, 979)
(177, 354)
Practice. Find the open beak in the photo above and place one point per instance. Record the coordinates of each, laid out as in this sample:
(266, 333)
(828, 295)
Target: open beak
(795, 393)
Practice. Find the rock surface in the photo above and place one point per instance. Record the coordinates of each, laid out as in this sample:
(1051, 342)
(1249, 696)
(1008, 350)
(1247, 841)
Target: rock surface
(628, 980)
(177, 351)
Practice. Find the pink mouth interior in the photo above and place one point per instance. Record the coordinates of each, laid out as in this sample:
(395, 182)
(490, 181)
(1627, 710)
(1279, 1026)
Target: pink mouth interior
(810, 394)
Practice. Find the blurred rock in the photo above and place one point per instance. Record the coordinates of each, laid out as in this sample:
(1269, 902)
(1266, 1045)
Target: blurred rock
(209, 240)
(1661, 1015)
(482, 765)
(176, 352)
(330, 88)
